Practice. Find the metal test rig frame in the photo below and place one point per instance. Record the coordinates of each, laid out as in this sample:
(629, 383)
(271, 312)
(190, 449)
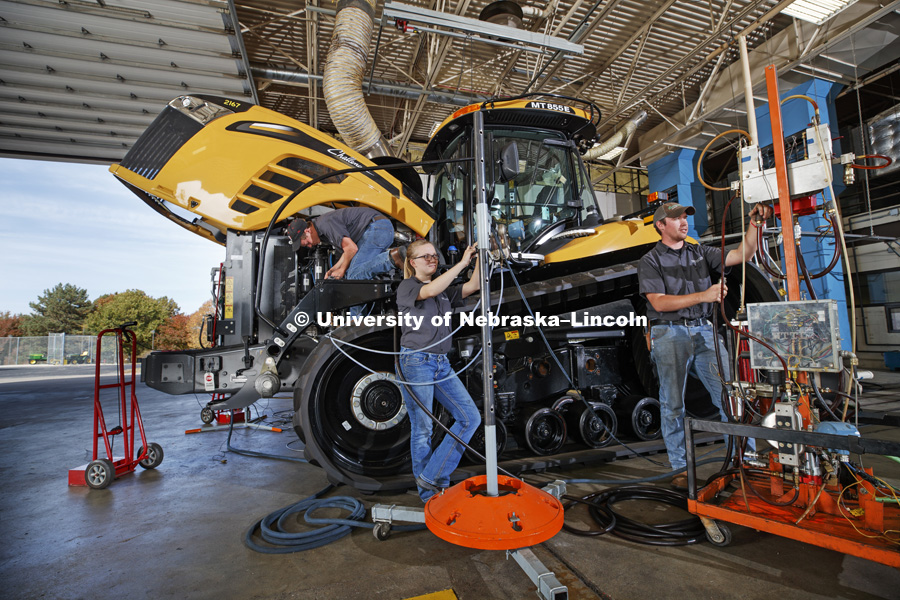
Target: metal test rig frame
(806, 488)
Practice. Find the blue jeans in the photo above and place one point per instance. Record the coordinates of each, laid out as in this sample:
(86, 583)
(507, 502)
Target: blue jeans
(435, 466)
(371, 256)
(678, 350)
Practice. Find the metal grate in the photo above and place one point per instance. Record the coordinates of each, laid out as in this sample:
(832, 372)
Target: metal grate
(168, 132)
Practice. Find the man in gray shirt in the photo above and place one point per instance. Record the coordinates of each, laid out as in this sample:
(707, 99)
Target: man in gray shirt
(362, 234)
(675, 279)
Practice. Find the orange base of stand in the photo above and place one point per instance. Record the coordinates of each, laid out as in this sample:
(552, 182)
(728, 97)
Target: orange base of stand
(519, 517)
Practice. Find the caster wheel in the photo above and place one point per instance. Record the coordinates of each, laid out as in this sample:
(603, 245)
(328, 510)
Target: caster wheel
(207, 415)
(722, 537)
(382, 531)
(99, 474)
(154, 455)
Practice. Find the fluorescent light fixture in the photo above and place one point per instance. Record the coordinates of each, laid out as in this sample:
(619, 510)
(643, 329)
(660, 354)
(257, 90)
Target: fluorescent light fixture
(612, 153)
(816, 11)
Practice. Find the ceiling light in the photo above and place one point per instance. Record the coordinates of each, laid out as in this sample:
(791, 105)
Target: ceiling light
(816, 11)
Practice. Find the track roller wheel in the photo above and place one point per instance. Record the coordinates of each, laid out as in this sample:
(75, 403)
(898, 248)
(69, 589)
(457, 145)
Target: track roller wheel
(544, 431)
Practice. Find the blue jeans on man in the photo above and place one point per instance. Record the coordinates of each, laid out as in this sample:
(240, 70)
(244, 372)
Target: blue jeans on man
(678, 350)
(433, 467)
(372, 255)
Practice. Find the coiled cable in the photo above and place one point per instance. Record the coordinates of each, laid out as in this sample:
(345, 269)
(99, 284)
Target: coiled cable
(600, 506)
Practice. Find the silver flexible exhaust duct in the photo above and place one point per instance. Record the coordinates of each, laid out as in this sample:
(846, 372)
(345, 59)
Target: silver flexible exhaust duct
(618, 137)
(343, 78)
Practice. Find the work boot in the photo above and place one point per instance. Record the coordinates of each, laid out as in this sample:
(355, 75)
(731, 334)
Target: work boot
(679, 482)
(398, 255)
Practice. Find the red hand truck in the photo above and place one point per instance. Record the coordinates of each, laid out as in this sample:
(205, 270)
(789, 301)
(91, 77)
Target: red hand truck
(100, 472)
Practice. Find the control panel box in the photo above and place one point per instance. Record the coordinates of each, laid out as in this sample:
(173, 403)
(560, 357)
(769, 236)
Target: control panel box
(806, 334)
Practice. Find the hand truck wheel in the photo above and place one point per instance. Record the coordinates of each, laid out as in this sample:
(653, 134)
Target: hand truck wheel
(154, 455)
(99, 473)
(207, 415)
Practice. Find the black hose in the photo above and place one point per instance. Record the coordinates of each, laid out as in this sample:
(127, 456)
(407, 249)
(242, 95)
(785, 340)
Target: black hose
(805, 272)
(600, 506)
(822, 401)
(254, 453)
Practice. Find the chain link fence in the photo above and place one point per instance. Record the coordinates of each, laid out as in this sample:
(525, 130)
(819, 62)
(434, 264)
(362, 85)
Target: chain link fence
(56, 349)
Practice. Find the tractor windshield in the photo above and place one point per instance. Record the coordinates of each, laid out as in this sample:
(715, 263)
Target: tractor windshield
(549, 189)
(549, 193)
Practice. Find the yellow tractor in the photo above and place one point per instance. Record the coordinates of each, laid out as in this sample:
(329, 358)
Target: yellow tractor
(237, 173)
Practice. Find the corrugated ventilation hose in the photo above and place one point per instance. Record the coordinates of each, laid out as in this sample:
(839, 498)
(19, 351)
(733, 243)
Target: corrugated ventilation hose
(343, 77)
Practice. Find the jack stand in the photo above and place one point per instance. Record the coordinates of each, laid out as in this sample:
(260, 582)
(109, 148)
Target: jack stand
(224, 427)
(548, 586)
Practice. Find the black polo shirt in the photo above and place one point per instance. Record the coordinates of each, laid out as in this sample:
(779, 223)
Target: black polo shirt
(345, 222)
(678, 273)
(427, 334)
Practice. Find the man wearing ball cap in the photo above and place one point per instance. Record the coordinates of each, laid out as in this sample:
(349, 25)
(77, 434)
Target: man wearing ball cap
(676, 279)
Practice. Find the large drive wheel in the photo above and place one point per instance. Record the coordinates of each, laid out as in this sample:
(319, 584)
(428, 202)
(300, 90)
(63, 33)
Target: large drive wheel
(353, 422)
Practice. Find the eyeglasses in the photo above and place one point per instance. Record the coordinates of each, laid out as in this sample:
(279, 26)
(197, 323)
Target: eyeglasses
(428, 257)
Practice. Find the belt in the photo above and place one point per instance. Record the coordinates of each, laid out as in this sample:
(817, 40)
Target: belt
(685, 322)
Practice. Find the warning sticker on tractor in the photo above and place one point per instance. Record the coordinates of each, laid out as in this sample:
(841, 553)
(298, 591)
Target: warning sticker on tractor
(511, 335)
(229, 297)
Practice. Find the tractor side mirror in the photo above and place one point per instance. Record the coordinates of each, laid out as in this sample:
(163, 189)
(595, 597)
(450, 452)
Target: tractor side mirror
(509, 162)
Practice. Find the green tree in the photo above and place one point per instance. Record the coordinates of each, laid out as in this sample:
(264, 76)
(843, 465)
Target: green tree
(10, 324)
(62, 309)
(112, 310)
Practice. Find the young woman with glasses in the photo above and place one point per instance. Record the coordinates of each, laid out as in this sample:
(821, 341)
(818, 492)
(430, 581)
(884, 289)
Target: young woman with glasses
(423, 359)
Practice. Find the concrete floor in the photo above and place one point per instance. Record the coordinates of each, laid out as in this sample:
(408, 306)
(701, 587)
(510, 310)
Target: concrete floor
(177, 531)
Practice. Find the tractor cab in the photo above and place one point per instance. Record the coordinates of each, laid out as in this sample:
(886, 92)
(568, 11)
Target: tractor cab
(538, 187)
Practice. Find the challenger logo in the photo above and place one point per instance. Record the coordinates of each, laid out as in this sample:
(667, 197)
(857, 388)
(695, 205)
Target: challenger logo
(338, 153)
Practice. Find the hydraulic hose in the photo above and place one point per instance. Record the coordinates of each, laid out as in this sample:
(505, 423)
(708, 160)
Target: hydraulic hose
(805, 272)
(272, 527)
(739, 332)
(600, 506)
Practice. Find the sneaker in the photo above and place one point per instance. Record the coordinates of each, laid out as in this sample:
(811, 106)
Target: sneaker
(427, 486)
(680, 482)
